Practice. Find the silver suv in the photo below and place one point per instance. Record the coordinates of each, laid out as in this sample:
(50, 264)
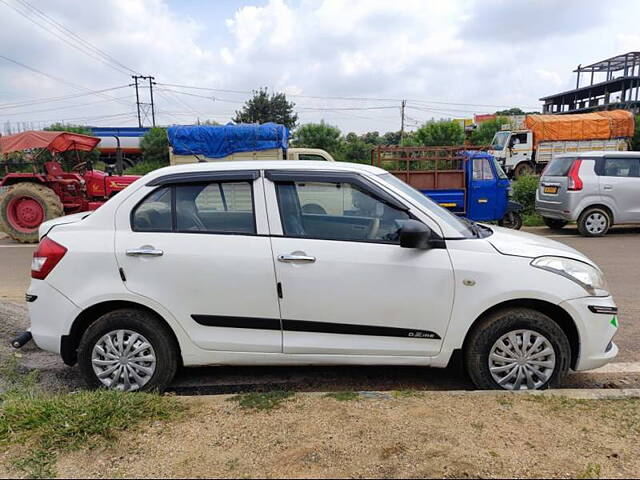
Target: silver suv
(596, 189)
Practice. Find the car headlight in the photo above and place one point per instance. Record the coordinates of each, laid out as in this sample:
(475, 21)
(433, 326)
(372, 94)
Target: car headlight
(585, 275)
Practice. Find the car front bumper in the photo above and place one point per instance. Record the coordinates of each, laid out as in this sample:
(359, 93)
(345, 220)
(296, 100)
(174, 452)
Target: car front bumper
(595, 330)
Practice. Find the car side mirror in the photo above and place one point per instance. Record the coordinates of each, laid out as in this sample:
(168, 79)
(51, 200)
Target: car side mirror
(415, 234)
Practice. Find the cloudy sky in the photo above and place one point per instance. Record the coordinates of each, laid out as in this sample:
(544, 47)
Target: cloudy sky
(349, 62)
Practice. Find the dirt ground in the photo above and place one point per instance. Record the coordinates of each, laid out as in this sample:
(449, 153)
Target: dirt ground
(380, 435)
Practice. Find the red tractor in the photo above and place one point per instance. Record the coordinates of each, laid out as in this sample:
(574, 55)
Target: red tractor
(28, 199)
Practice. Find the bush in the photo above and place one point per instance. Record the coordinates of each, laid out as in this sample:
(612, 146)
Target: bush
(144, 167)
(524, 192)
(155, 146)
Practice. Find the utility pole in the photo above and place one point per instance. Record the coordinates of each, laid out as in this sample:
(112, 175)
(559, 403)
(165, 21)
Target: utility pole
(135, 77)
(143, 107)
(402, 107)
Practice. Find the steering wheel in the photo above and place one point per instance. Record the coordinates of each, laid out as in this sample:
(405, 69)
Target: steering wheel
(80, 167)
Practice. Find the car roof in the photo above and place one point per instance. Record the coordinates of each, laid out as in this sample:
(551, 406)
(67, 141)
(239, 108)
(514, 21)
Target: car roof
(267, 165)
(599, 153)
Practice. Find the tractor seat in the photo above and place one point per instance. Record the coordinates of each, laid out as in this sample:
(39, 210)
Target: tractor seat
(54, 169)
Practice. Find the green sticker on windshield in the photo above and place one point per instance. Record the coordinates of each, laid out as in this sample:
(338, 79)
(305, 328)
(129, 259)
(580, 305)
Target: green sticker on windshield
(614, 321)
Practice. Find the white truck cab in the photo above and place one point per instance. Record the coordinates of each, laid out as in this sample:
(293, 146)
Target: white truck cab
(514, 150)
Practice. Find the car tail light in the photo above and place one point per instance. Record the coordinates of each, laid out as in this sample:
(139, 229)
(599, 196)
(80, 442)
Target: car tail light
(575, 183)
(46, 257)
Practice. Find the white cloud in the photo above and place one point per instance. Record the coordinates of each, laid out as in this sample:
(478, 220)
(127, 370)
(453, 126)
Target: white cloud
(468, 52)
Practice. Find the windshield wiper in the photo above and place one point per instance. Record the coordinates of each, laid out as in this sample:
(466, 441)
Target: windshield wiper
(473, 226)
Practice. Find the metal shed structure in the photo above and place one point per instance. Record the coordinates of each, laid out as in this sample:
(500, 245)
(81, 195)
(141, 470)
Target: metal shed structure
(613, 83)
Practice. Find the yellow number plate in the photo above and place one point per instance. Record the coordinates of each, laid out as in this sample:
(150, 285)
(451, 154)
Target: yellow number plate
(550, 189)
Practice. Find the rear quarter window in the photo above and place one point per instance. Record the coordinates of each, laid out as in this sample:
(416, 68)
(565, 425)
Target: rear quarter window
(559, 167)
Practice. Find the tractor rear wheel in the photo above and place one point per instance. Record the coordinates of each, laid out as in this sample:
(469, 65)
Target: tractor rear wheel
(24, 206)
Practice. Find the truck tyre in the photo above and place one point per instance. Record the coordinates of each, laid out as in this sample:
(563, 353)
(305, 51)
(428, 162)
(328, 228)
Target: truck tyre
(24, 206)
(594, 222)
(128, 350)
(512, 220)
(523, 168)
(517, 349)
(554, 223)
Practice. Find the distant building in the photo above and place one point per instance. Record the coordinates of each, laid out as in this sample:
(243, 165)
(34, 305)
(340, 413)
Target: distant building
(612, 83)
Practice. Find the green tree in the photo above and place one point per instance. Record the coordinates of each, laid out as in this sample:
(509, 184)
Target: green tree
(155, 146)
(391, 138)
(443, 132)
(263, 108)
(486, 130)
(318, 135)
(355, 149)
(373, 138)
(511, 111)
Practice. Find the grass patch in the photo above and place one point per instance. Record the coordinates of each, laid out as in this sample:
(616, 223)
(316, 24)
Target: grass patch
(532, 220)
(593, 470)
(343, 396)
(44, 424)
(406, 393)
(261, 401)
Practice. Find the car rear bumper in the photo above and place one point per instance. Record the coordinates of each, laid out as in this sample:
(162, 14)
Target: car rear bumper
(595, 330)
(51, 315)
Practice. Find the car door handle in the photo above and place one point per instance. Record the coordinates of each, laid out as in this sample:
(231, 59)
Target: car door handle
(296, 258)
(146, 251)
(608, 187)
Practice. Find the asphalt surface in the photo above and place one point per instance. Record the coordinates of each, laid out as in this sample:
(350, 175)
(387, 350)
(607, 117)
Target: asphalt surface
(617, 254)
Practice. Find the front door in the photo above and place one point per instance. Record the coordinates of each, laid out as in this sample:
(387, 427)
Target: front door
(619, 180)
(347, 286)
(196, 249)
(482, 201)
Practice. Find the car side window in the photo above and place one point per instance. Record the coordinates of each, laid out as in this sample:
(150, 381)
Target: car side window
(621, 167)
(311, 156)
(153, 214)
(210, 207)
(215, 208)
(482, 169)
(337, 211)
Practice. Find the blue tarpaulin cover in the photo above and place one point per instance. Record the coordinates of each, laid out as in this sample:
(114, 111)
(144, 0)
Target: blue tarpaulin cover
(217, 141)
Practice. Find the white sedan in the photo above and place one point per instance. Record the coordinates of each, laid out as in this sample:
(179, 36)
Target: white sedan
(271, 263)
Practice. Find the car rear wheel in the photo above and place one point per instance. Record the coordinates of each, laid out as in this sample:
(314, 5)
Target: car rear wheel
(517, 349)
(128, 350)
(554, 223)
(594, 222)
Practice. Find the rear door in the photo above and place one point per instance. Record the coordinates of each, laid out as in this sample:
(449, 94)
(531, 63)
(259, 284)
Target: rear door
(620, 183)
(200, 248)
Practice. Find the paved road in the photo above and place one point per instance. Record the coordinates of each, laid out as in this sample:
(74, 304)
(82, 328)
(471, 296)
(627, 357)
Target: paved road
(617, 254)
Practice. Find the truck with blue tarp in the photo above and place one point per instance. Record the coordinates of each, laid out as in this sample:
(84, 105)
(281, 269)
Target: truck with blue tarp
(470, 183)
(268, 141)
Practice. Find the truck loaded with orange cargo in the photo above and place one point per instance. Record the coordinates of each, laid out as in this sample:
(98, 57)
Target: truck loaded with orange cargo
(527, 148)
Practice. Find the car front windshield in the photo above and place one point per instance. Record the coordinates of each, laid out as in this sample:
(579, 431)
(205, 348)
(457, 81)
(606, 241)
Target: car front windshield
(499, 139)
(431, 207)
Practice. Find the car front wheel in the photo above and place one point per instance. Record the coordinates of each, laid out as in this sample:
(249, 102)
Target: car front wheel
(128, 350)
(517, 349)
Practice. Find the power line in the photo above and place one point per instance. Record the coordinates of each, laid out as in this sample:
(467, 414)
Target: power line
(57, 79)
(39, 101)
(63, 39)
(67, 107)
(67, 36)
(326, 97)
(86, 42)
